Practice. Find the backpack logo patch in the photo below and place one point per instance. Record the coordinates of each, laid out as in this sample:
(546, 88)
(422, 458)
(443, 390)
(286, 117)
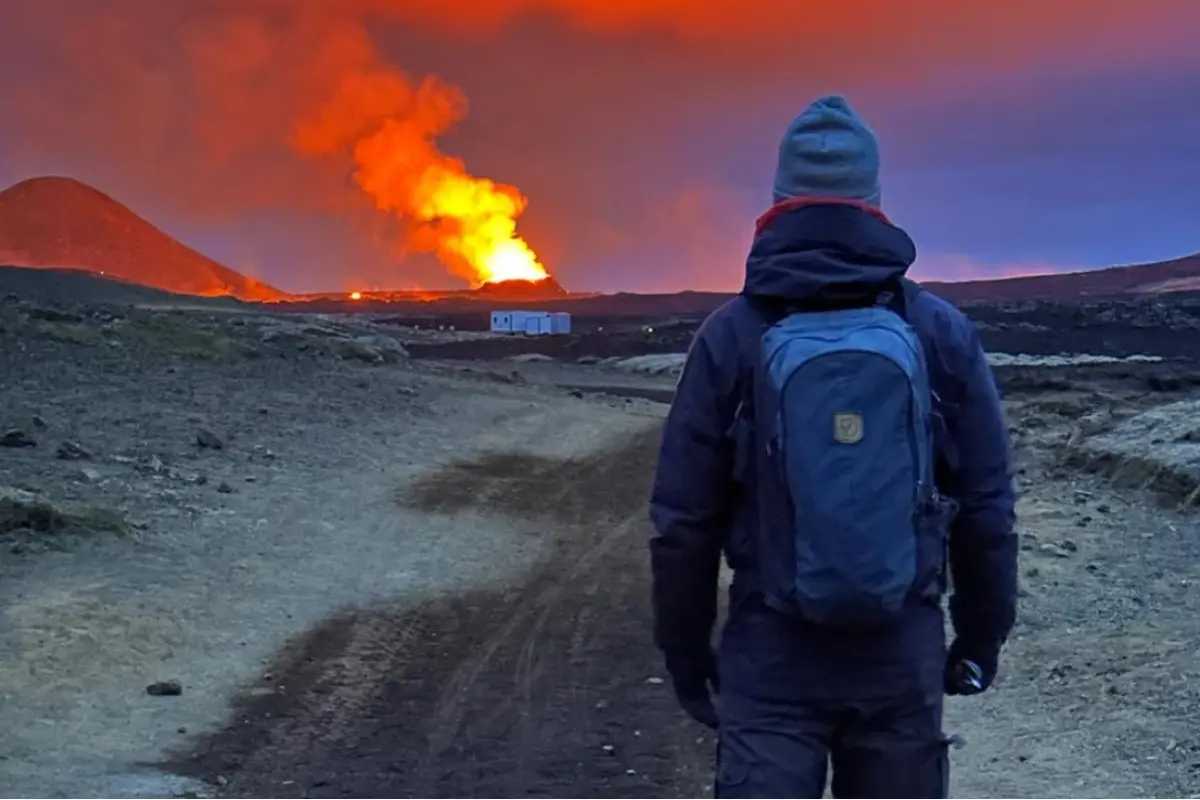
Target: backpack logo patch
(848, 427)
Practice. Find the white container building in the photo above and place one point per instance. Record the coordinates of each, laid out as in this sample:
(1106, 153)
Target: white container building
(531, 323)
(502, 321)
(560, 322)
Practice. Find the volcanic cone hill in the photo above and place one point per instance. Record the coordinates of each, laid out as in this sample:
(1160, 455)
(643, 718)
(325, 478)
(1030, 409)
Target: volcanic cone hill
(520, 290)
(61, 223)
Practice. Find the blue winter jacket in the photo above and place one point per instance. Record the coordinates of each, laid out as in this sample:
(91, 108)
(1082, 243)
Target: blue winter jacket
(703, 499)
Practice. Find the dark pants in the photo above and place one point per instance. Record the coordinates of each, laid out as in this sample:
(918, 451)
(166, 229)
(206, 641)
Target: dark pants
(877, 749)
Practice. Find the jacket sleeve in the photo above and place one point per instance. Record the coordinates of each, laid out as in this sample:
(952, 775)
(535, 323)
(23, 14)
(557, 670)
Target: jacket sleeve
(983, 544)
(691, 503)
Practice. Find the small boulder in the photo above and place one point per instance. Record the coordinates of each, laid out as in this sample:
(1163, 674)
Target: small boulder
(390, 349)
(354, 350)
(170, 688)
(17, 438)
(72, 451)
(209, 440)
(1054, 550)
(88, 475)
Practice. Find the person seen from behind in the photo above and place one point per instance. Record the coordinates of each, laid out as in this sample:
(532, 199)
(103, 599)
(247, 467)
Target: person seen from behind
(837, 433)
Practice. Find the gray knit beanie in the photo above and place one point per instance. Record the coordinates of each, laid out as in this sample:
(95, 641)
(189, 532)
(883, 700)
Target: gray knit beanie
(828, 151)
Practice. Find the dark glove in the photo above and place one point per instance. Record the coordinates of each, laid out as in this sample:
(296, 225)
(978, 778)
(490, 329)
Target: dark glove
(695, 680)
(970, 669)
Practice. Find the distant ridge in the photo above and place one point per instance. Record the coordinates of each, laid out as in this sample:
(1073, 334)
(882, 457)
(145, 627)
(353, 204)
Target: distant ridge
(1177, 275)
(61, 223)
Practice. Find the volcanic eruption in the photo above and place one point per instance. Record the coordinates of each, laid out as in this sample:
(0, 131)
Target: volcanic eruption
(267, 109)
(389, 127)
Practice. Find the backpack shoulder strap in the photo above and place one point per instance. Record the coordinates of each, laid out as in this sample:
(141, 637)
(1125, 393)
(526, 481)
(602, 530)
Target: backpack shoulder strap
(900, 297)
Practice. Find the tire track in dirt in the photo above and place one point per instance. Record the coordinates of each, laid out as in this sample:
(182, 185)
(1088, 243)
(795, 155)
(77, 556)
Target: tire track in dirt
(541, 688)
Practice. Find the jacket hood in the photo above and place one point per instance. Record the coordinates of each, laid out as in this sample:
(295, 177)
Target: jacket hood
(825, 249)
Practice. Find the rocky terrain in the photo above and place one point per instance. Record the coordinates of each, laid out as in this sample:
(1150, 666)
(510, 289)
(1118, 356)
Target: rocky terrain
(247, 551)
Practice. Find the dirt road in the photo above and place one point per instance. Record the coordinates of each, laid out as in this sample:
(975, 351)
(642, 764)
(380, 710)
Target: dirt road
(544, 688)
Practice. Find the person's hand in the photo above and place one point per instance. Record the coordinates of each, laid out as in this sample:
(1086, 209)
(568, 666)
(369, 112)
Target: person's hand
(695, 680)
(970, 669)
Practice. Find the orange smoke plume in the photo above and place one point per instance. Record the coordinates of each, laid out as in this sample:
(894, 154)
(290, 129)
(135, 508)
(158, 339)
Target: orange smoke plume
(390, 128)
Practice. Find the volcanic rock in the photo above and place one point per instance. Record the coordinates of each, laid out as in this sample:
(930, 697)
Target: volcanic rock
(170, 688)
(17, 438)
(72, 451)
(388, 348)
(546, 289)
(207, 439)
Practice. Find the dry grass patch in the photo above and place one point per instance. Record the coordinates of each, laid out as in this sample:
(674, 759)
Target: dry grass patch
(29, 514)
(178, 335)
(149, 332)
